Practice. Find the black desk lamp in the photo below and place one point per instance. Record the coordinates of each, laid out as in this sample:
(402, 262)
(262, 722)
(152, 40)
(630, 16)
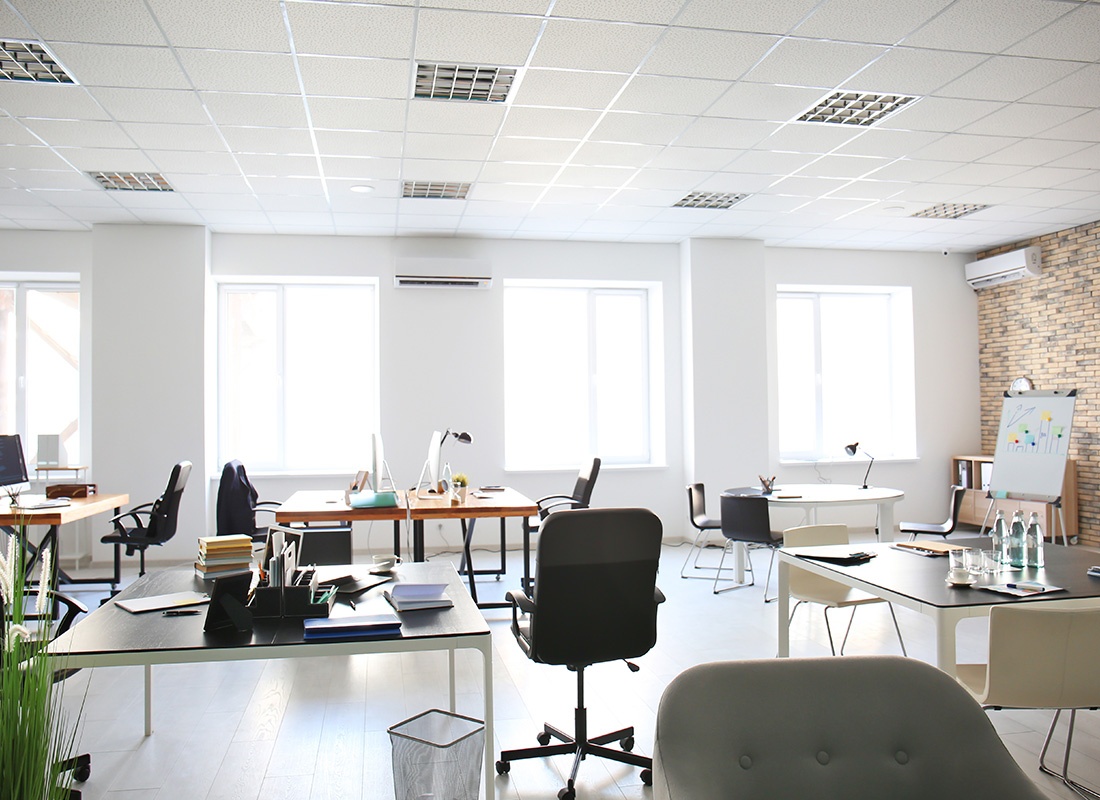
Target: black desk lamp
(851, 450)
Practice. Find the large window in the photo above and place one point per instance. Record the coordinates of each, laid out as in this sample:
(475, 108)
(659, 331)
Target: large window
(845, 371)
(298, 382)
(40, 364)
(583, 374)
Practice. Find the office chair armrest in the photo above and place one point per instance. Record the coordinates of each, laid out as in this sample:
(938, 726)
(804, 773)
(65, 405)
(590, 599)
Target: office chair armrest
(520, 601)
(551, 502)
(272, 503)
(144, 508)
(658, 596)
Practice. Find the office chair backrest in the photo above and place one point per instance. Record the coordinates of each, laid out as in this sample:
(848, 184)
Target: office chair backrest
(803, 584)
(165, 512)
(745, 518)
(958, 494)
(594, 586)
(858, 728)
(586, 482)
(1043, 657)
(236, 509)
(697, 507)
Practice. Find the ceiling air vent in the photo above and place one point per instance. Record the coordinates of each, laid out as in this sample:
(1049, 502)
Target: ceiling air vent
(435, 190)
(949, 210)
(710, 200)
(132, 181)
(457, 82)
(30, 61)
(855, 108)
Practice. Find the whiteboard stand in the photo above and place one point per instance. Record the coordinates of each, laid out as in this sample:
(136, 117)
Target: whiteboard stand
(1060, 518)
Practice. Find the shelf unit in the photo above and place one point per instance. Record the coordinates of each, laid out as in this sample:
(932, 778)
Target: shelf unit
(973, 473)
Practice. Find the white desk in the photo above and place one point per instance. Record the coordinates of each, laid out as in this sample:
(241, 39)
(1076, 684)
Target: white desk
(809, 497)
(917, 582)
(110, 636)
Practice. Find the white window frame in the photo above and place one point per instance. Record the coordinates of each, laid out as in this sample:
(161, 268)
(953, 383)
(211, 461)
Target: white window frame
(22, 283)
(655, 447)
(901, 373)
(278, 284)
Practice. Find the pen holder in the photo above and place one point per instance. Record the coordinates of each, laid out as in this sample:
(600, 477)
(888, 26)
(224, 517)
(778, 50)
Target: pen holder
(291, 601)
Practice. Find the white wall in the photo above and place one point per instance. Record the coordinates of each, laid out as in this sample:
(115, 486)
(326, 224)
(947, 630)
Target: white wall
(147, 297)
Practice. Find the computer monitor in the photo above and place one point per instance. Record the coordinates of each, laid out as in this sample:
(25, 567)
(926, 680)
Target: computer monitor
(378, 465)
(13, 467)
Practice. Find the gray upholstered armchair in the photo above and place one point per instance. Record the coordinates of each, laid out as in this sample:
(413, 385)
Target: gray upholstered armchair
(856, 727)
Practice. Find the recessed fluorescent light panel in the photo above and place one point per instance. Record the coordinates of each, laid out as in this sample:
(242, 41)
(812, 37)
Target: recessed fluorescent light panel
(457, 82)
(435, 190)
(710, 200)
(855, 108)
(132, 181)
(949, 210)
(30, 61)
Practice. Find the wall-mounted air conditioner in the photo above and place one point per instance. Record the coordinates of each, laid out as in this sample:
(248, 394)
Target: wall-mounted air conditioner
(995, 270)
(451, 273)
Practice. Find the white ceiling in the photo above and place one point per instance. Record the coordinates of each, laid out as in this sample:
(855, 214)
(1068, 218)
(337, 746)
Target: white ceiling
(262, 114)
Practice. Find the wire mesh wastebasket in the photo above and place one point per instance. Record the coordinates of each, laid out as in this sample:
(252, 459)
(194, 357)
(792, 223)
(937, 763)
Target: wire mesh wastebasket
(437, 755)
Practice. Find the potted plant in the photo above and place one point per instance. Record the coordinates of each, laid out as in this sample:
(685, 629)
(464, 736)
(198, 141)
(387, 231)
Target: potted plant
(459, 484)
(34, 735)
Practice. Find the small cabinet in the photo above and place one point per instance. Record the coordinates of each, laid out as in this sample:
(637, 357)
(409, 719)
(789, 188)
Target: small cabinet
(973, 473)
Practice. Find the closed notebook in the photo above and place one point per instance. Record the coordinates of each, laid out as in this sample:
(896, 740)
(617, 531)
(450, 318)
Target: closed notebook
(357, 626)
(416, 596)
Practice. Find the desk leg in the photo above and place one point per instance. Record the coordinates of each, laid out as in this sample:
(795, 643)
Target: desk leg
(490, 738)
(946, 625)
(885, 521)
(418, 540)
(784, 610)
(739, 555)
(451, 683)
(148, 699)
(467, 556)
(397, 538)
(526, 584)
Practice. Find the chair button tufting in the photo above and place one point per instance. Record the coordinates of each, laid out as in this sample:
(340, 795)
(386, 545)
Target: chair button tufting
(822, 758)
(902, 757)
(746, 762)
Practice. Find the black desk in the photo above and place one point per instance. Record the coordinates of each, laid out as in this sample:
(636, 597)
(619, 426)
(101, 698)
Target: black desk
(110, 636)
(918, 582)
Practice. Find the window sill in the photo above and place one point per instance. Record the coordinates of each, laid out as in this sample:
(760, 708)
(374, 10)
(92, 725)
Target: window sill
(831, 462)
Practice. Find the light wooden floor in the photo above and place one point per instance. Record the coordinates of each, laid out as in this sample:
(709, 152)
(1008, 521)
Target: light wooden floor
(316, 728)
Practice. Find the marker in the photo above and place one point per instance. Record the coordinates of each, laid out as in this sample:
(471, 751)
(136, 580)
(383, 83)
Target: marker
(181, 612)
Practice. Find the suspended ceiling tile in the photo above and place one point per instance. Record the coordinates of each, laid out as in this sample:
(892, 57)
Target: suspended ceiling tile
(659, 12)
(239, 25)
(361, 168)
(351, 29)
(212, 70)
(761, 101)
(433, 116)
(202, 138)
(552, 122)
(634, 128)
(669, 95)
(93, 159)
(707, 54)
(735, 133)
(619, 155)
(116, 21)
(357, 114)
(1007, 78)
(594, 45)
(1072, 36)
(192, 163)
(122, 66)
(939, 114)
(911, 71)
(440, 145)
(777, 16)
(151, 105)
(51, 101)
(864, 20)
(568, 89)
(265, 110)
(73, 133)
(968, 24)
(800, 62)
(538, 151)
(359, 143)
(472, 38)
(324, 76)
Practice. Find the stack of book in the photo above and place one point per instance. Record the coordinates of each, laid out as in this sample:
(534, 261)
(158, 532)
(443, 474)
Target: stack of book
(223, 555)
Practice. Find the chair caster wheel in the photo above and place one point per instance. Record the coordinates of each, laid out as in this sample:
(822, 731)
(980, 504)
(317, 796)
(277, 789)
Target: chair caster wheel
(504, 767)
(568, 793)
(627, 743)
(81, 774)
(647, 777)
(543, 738)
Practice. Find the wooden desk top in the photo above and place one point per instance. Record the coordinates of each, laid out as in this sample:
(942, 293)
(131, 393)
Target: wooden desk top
(506, 503)
(78, 508)
(329, 506)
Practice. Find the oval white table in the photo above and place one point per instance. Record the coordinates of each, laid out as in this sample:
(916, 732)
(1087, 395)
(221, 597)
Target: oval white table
(809, 497)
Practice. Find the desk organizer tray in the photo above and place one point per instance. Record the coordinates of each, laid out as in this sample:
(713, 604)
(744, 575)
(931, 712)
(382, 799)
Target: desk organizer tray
(291, 601)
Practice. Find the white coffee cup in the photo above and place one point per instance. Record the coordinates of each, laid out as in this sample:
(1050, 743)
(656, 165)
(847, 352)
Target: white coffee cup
(384, 563)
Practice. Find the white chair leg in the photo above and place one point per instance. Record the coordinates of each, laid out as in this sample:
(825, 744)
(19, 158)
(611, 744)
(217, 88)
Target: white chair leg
(768, 580)
(1063, 776)
(829, 631)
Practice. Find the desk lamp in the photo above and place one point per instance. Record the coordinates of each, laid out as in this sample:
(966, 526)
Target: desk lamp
(435, 452)
(851, 450)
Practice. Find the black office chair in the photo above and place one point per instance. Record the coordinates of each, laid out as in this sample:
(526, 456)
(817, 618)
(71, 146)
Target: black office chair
(581, 497)
(160, 526)
(697, 513)
(944, 529)
(63, 609)
(745, 520)
(595, 600)
(238, 502)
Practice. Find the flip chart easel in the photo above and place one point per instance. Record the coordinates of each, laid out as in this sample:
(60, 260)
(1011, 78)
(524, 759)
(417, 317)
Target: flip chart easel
(1029, 461)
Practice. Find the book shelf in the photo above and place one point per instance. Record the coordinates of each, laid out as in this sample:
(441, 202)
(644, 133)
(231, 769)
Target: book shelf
(973, 472)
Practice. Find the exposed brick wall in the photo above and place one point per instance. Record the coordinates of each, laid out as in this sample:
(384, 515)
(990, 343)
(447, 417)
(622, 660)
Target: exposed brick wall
(1048, 329)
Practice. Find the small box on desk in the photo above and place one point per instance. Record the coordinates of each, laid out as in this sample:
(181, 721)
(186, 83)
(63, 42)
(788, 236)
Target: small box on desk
(292, 601)
(70, 490)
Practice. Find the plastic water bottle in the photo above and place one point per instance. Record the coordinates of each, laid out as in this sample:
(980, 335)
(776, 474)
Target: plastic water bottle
(1033, 542)
(999, 534)
(1016, 536)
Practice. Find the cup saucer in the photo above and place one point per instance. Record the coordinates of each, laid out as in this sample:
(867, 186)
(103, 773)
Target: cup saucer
(963, 584)
(380, 571)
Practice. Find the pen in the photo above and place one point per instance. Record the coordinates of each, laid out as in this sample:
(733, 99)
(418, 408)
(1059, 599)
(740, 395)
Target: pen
(183, 612)
(1022, 588)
